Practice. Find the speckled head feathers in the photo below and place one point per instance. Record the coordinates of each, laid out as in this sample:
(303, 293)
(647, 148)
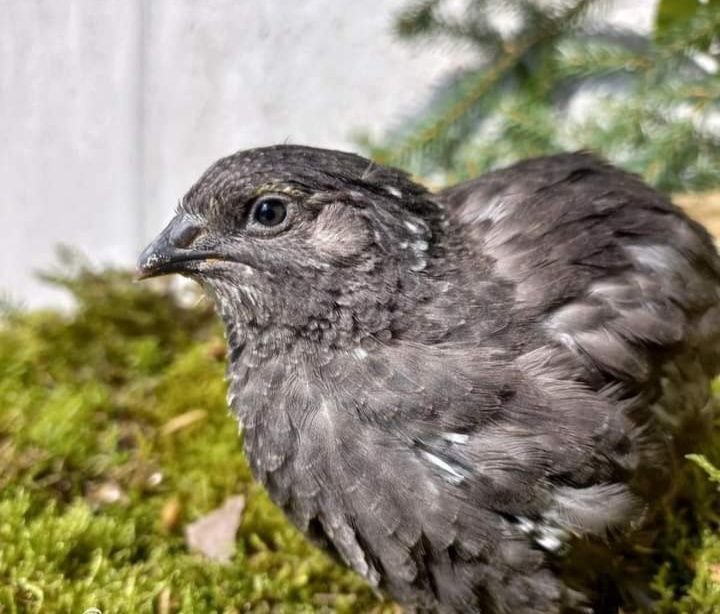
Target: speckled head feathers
(345, 232)
(306, 170)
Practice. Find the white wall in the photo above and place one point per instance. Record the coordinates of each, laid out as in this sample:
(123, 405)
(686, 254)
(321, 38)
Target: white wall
(109, 109)
(68, 134)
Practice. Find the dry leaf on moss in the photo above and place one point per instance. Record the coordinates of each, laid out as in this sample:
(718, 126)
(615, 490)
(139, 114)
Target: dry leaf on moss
(183, 420)
(214, 534)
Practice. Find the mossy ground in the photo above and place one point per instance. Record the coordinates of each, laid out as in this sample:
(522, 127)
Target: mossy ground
(98, 477)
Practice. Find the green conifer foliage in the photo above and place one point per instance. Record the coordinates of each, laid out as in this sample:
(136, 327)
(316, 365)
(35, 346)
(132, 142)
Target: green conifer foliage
(653, 104)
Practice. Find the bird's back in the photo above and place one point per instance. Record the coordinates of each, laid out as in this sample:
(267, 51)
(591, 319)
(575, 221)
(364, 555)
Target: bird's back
(614, 288)
(608, 268)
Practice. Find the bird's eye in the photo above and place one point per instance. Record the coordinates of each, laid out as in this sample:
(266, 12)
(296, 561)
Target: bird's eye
(270, 212)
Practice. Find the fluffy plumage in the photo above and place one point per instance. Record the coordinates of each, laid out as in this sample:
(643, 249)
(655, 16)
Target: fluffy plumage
(473, 397)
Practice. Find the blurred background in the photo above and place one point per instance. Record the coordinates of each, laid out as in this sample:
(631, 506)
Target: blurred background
(109, 110)
(123, 485)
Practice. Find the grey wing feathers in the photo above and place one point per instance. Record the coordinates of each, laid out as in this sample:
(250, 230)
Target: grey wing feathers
(613, 271)
(617, 289)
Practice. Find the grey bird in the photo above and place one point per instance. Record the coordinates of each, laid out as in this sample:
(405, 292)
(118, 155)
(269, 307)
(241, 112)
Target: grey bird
(475, 397)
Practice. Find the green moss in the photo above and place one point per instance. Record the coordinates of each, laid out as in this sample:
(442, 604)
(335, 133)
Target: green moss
(87, 402)
(85, 399)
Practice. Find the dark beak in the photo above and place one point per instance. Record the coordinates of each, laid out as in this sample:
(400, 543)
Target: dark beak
(170, 251)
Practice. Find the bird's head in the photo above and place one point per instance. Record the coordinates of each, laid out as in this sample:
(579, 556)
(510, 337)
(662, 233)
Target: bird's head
(301, 238)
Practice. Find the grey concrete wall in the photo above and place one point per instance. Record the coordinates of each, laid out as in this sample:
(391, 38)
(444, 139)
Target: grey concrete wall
(109, 109)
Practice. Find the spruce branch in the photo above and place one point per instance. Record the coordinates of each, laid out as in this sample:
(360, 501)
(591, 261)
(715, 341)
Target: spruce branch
(656, 100)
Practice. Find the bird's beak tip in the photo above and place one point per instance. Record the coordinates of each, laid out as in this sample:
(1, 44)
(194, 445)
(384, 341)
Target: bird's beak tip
(147, 264)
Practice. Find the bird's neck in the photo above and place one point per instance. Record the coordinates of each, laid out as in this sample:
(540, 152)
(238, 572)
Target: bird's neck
(310, 322)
